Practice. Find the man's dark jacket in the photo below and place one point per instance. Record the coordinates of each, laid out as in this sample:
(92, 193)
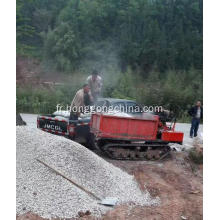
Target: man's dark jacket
(192, 112)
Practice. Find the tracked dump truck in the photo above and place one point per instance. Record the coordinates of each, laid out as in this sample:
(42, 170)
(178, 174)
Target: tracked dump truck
(133, 138)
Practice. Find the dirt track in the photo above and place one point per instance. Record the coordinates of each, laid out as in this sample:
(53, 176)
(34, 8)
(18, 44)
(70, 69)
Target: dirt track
(178, 184)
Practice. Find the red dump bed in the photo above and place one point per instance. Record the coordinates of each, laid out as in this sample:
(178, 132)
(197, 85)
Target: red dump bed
(110, 126)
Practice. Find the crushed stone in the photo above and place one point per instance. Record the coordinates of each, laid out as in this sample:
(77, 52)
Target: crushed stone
(43, 192)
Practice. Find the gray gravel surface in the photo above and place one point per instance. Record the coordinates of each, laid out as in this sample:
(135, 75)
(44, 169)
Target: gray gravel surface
(49, 195)
(30, 119)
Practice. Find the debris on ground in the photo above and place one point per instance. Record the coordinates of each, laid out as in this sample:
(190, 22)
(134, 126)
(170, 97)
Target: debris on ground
(41, 191)
(198, 145)
(82, 214)
(195, 192)
(172, 182)
(196, 142)
(196, 155)
(196, 152)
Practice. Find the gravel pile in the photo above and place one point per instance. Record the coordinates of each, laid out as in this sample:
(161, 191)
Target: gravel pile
(49, 195)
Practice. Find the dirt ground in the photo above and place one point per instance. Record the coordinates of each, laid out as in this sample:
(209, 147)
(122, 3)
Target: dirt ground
(177, 181)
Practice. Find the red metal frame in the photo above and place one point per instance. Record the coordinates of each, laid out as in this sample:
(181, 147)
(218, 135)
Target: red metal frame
(114, 127)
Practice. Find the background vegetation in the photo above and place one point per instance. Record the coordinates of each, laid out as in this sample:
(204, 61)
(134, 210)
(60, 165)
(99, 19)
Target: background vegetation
(148, 50)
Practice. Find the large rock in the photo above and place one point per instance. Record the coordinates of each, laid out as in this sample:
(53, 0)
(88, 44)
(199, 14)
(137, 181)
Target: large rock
(19, 120)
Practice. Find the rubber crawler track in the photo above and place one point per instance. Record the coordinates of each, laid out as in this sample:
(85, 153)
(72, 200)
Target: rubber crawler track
(135, 151)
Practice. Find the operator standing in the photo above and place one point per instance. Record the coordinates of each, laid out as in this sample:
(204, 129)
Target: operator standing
(196, 112)
(81, 100)
(95, 83)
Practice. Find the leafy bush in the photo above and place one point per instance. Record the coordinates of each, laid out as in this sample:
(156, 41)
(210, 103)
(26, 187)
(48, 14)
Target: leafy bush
(43, 100)
(175, 91)
(195, 156)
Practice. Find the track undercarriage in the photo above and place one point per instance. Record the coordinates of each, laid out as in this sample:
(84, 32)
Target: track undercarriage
(134, 150)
